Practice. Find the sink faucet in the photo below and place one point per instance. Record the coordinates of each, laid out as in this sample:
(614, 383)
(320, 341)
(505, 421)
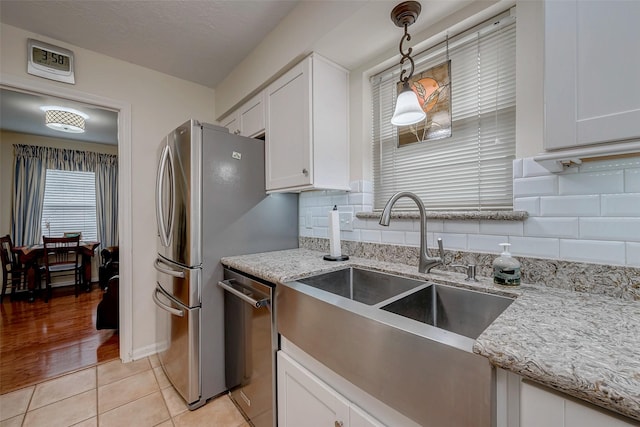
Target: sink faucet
(426, 262)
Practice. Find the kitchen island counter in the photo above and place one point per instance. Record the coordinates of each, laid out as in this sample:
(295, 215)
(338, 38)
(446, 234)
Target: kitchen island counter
(584, 345)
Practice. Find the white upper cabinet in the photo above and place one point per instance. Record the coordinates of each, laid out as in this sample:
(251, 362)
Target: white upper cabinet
(251, 116)
(307, 141)
(248, 120)
(232, 123)
(592, 64)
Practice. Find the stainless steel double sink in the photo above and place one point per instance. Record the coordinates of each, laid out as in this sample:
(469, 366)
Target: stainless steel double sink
(406, 342)
(457, 310)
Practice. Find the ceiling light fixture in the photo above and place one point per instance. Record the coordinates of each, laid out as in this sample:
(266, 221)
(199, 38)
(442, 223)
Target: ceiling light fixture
(64, 119)
(408, 110)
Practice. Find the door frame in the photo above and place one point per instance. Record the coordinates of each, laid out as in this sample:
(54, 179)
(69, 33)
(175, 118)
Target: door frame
(124, 187)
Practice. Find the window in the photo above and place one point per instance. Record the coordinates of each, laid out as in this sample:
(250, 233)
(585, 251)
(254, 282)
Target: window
(472, 169)
(69, 203)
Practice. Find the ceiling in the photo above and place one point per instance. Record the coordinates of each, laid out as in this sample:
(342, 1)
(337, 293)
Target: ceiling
(21, 113)
(196, 40)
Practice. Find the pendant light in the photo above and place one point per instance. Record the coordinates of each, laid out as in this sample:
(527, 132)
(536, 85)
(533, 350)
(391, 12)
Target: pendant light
(408, 110)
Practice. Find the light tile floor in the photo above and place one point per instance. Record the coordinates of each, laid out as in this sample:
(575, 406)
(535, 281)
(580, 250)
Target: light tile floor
(112, 394)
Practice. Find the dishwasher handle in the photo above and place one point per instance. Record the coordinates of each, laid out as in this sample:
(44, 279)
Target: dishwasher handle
(226, 285)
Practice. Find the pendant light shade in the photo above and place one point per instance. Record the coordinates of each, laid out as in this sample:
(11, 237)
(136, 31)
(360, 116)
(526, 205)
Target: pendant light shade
(408, 110)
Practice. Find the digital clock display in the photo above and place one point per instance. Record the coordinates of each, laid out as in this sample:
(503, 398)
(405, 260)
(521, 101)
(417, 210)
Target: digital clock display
(49, 61)
(46, 58)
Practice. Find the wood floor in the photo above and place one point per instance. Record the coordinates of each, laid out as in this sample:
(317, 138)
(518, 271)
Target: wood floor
(41, 340)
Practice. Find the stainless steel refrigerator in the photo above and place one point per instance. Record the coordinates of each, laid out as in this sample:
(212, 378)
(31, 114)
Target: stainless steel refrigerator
(210, 203)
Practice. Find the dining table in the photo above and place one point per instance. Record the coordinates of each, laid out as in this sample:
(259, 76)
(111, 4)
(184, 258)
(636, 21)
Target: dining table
(30, 257)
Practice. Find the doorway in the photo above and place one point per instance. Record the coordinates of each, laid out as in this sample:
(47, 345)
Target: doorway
(124, 186)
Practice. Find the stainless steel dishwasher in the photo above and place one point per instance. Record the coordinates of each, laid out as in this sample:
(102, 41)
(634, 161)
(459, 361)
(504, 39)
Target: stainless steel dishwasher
(250, 346)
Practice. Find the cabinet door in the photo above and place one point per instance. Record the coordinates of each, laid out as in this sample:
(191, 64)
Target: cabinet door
(359, 418)
(232, 123)
(304, 400)
(252, 116)
(539, 407)
(591, 84)
(288, 136)
(578, 415)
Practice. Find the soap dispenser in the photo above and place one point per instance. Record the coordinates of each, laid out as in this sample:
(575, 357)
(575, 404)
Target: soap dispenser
(506, 269)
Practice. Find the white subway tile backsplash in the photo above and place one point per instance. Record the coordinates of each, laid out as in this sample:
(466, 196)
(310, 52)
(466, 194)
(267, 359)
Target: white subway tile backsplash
(591, 183)
(511, 228)
(321, 221)
(586, 214)
(536, 186)
(532, 168)
(593, 251)
(412, 238)
(485, 243)
(305, 232)
(399, 225)
(570, 205)
(531, 205)
(433, 225)
(517, 168)
(353, 235)
(621, 204)
(373, 236)
(535, 246)
(361, 198)
(632, 180)
(618, 229)
(467, 227)
(633, 254)
(551, 227)
(321, 232)
(340, 199)
(392, 237)
(452, 241)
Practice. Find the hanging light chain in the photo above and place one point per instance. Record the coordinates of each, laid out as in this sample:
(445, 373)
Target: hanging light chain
(405, 56)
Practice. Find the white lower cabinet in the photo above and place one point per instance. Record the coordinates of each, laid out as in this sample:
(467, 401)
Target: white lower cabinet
(305, 400)
(543, 407)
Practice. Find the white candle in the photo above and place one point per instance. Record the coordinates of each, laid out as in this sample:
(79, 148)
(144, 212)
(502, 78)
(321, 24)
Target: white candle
(334, 233)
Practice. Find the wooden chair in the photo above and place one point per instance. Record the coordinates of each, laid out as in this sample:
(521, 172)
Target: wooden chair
(13, 272)
(62, 255)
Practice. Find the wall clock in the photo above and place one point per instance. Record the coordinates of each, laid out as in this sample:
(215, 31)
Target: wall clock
(49, 61)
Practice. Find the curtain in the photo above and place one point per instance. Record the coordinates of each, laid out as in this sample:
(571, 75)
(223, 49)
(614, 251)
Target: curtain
(107, 199)
(28, 194)
(31, 164)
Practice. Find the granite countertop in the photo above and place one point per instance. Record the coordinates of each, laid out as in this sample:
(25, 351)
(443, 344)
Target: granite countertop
(581, 344)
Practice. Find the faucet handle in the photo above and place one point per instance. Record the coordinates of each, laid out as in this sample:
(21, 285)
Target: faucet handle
(441, 249)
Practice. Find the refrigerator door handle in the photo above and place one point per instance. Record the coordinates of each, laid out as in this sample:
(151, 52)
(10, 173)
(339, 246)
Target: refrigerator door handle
(170, 272)
(166, 160)
(226, 285)
(175, 311)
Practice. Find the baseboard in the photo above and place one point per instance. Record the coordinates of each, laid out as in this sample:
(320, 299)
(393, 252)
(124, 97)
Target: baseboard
(140, 353)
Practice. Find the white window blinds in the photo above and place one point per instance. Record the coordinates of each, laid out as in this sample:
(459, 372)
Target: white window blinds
(472, 169)
(69, 204)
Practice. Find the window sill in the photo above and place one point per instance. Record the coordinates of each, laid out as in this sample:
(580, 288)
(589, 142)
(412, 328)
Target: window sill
(453, 215)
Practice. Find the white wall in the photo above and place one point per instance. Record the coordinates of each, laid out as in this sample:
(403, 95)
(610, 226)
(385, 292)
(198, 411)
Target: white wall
(158, 104)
